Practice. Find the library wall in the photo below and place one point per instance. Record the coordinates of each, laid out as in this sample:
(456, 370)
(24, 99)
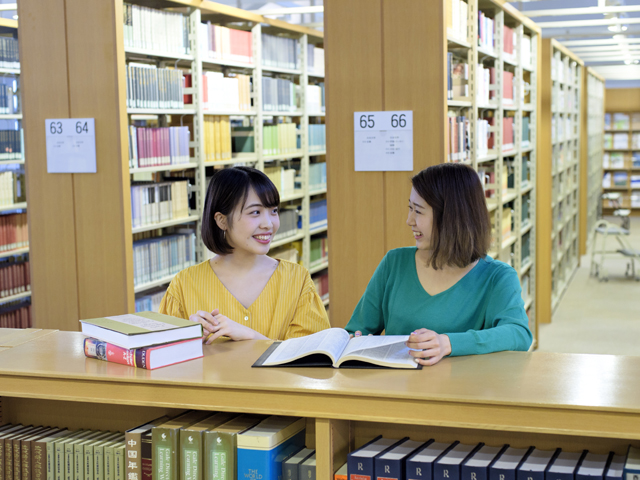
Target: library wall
(371, 48)
(78, 222)
(622, 100)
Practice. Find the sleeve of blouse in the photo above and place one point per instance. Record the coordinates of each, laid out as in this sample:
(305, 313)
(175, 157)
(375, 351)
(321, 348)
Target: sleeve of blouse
(505, 325)
(368, 316)
(171, 303)
(310, 315)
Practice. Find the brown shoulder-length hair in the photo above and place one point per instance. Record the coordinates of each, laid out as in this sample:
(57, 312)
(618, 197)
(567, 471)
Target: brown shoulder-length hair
(461, 231)
(227, 190)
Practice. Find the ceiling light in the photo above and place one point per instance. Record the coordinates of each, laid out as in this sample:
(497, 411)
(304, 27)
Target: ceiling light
(15, 17)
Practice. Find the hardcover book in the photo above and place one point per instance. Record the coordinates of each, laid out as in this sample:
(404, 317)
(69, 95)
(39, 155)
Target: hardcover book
(26, 449)
(448, 466)
(476, 467)
(565, 466)
(391, 465)
(505, 467)
(420, 464)
(341, 473)
(291, 466)
(262, 449)
(14, 470)
(615, 468)
(632, 464)
(133, 443)
(221, 447)
(141, 330)
(592, 467)
(109, 460)
(536, 464)
(192, 445)
(148, 358)
(308, 469)
(334, 348)
(361, 462)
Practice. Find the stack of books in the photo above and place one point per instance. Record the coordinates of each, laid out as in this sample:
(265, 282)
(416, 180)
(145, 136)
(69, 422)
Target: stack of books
(146, 340)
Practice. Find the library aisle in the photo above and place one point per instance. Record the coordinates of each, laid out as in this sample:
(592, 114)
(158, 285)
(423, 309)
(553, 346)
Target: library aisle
(597, 317)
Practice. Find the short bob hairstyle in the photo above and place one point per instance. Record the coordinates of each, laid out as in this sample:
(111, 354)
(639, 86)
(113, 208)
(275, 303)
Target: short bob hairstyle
(461, 231)
(227, 190)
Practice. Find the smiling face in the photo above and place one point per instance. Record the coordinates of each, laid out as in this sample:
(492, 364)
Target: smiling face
(420, 219)
(253, 226)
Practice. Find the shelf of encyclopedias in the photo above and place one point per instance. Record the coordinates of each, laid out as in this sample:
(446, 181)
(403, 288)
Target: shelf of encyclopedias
(559, 174)
(253, 95)
(547, 400)
(492, 55)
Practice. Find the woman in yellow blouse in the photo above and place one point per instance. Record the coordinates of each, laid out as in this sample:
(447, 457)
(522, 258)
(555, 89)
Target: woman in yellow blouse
(241, 293)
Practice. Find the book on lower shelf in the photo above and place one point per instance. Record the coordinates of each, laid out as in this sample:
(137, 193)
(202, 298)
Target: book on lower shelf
(334, 348)
(141, 330)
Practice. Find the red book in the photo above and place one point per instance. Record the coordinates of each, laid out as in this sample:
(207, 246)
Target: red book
(188, 99)
(149, 358)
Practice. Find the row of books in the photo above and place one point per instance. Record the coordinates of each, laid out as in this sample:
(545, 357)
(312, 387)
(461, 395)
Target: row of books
(457, 78)
(509, 43)
(9, 53)
(226, 93)
(151, 87)
(280, 52)
(279, 95)
(290, 220)
(620, 179)
(458, 129)
(563, 69)
(222, 43)
(457, 22)
(11, 142)
(283, 178)
(16, 315)
(14, 231)
(622, 141)
(621, 160)
(157, 258)
(153, 203)
(564, 101)
(321, 282)
(154, 30)
(315, 60)
(483, 85)
(482, 137)
(315, 99)
(622, 121)
(317, 175)
(486, 31)
(217, 138)
(508, 86)
(317, 137)
(280, 139)
(151, 147)
(289, 252)
(318, 212)
(562, 128)
(12, 185)
(150, 302)
(14, 276)
(408, 459)
(507, 222)
(9, 100)
(525, 249)
(318, 250)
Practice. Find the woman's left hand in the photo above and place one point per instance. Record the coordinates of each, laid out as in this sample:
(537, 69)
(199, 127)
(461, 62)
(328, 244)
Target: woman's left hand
(431, 345)
(224, 326)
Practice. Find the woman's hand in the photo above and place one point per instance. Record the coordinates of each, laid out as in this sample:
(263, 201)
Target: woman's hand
(216, 325)
(431, 345)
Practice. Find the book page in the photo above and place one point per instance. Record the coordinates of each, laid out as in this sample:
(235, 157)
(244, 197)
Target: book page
(330, 342)
(386, 350)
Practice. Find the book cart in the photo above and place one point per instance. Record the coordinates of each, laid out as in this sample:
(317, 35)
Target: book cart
(621, 161)
(547, 400)
(558, 174)
(407, 71)
(593, 149)
(85, 238)
(16, 164)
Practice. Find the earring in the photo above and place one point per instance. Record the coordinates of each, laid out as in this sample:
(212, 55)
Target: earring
(224, 234)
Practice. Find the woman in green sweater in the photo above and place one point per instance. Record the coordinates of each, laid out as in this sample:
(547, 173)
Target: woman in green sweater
(446, 292)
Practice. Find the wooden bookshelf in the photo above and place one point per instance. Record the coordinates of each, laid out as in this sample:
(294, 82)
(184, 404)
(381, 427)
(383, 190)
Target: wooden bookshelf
(592, 151)
(569, 401)
(89, 231)
(412, 59)
(558, 185)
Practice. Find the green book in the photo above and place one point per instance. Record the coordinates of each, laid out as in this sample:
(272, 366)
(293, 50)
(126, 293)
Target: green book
(221, 445)
(243, 139)
(109, 460)
(78, 455)
(69, 450)
(88, 449)
(46, 447)
(165, 442)
(192, 444)
(141, 330)
(98, 456)
(119, 461)
(58, 446)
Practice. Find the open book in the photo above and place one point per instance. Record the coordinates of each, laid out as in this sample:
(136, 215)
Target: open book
(334, 348)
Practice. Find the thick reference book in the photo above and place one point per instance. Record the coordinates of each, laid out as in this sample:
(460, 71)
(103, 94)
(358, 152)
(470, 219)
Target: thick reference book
(361, 462)
(133, 445)
(291, 466)
(341, 473)
(506, 466)
(449, 465)
(420, 464)
(536, 464)
(141, 329)
(391, 465)
(615, 468)
(263, 448)
(592, 467)
(565, 465)
(221, 447)
(149, 358)
(334, 348)
(632, 465)
(307, 469)
(477, 466)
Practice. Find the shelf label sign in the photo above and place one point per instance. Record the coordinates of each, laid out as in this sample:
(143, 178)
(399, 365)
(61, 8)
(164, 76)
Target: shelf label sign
(383, 141)
(71, 145)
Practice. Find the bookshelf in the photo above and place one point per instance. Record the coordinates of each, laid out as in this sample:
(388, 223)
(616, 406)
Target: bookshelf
(592, 149)
(620, 168)
(91, 229)
(508, 167)
(558, 174)
(12, 163)
(563, 400)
